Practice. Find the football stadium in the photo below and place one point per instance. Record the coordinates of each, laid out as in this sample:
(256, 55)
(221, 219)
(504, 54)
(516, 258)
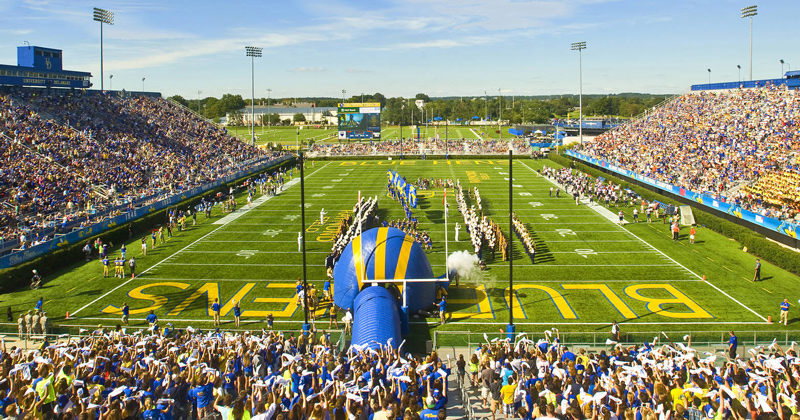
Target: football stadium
(422, 258)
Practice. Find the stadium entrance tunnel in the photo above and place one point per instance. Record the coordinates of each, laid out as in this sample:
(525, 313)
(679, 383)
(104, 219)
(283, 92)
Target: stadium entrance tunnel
(382, 254)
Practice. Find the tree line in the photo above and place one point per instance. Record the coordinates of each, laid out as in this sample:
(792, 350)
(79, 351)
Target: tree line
(399, 110)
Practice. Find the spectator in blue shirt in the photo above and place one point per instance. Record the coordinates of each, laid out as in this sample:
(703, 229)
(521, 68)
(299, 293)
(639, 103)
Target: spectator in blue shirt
(733, 343)
(442, 309)
(785, 312)
(125, 313)
(215, 310)
(152, 319)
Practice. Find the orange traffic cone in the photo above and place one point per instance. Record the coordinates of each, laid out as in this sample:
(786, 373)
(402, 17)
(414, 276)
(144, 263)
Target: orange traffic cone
(769, 319)
(67, 315)
(704, 277)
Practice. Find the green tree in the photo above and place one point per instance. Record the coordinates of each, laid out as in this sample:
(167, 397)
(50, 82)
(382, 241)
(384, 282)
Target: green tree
(461, 110)
(179, 99)
(538, 112)
(378, 97)
(423, 96)
(393, 111)
(231, 103)
(236, 118)
(299, 117)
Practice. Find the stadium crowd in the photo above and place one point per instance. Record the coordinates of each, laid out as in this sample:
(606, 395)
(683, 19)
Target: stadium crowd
(73, 156)
(420, 147)
(717, 142)
(168, 373)
(671, 381)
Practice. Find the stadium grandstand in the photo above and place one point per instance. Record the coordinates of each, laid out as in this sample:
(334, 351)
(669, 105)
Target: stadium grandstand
(421, 147)
(76, 157)
(737, 145)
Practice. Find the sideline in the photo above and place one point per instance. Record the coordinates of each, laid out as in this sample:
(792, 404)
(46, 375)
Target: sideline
(259, 201)
(699, 278)
(167, 258)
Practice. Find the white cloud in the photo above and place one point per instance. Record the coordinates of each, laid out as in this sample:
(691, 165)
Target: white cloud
(308, 70)
(355, 70)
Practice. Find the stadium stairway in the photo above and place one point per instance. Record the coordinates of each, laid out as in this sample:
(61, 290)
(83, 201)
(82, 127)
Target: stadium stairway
(456, 410)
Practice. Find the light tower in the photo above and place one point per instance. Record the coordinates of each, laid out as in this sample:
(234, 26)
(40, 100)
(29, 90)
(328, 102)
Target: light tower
(749, 12)
(102, 16)
(253, 52)
(580, 46)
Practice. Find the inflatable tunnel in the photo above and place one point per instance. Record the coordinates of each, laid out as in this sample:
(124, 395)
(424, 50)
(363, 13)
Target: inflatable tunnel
(378, 254)
(381, 254)
(376, 318)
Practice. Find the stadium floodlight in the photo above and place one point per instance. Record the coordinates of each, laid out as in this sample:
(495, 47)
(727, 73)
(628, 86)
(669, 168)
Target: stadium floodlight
(269, 114)
(142, 84)
(111, 82)
(740, 72)
(749, 12)
(253, 52)
(500, 116)
(102, 16)
(579, 47)
(485, 107)
(709, 76)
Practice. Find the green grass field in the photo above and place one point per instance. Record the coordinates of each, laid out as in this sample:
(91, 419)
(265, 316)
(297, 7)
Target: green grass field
(588, 270)
(288, 135)
(285, 135)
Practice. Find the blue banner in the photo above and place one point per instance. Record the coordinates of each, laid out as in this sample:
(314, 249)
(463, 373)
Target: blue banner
(705, 200)
(407, 192)
(543, 145)
(79, 235)
(412, 196)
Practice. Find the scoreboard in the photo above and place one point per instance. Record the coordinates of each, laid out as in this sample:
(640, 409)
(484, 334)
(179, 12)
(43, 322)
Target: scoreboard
(359, 120)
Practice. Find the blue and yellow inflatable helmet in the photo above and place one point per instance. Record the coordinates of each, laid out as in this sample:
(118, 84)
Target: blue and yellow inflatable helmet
(378, 254)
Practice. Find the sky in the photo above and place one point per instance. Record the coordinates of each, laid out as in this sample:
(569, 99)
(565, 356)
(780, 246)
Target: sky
(404, 47)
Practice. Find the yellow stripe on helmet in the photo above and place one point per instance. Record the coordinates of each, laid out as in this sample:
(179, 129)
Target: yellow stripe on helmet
(357, 262)
(402, 258)
(380, 254)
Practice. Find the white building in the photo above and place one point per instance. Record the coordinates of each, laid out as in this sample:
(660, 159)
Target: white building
(313, 115)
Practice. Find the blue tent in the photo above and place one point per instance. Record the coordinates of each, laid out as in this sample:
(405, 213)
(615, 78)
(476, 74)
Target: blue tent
(459, 119)
(437, 118)
(476, 117)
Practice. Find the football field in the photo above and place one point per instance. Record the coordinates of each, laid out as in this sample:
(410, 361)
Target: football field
(588, 269)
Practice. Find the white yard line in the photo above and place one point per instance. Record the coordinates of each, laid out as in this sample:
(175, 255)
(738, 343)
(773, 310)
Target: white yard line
(431, 322)
(540, 265)
(476, 134)
(260, 200)
(142, 273)
(148, 278)
(162, 261)
(582, 241)
(259, 252)
(699, 277)
(459, 322)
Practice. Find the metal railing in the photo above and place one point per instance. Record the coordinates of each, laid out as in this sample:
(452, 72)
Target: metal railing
(193, 112)
(719, 339)
(62, 332)
(465, 400)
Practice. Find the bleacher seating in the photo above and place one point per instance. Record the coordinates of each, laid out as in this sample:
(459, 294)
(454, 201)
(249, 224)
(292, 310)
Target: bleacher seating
(714, 142)
(69, 155)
